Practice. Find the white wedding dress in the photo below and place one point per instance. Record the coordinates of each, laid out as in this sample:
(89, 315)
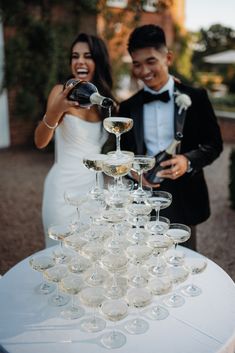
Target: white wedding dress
(74, 139)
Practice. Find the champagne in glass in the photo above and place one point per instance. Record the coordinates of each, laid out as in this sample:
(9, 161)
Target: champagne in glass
(142, 164)
(179, 233)
(92, 297)
(114, 310)
(138, 298)
(118, 126)
(72, 284)
(41, 263)
(56, 274)
(95, 162)
(195, 266)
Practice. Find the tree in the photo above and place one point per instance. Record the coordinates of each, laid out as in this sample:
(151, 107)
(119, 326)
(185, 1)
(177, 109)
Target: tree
(214, 40)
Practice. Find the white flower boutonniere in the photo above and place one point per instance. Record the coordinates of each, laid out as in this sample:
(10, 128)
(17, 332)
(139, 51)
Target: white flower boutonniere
(182, 100)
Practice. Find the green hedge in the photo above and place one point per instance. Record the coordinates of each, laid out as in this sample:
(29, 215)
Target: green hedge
(226, 103)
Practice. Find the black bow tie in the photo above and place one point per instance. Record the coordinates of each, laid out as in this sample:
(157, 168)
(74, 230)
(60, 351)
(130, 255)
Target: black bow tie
(150, 97)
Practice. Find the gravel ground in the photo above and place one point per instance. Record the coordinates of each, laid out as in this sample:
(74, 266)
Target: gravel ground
(22, 173)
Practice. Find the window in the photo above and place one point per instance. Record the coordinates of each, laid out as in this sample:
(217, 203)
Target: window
(117, 3)
(150, 5)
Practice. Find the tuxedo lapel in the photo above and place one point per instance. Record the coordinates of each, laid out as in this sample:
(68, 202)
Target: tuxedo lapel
(137, 116)
(179, 119)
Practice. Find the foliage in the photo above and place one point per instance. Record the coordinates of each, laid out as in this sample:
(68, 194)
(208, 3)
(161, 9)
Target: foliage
(182, 65)
(224, 103)
(232, 179)
(36, 50)
(210, 41)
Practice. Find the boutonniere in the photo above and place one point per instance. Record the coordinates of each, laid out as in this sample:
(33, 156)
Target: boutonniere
(182, 100)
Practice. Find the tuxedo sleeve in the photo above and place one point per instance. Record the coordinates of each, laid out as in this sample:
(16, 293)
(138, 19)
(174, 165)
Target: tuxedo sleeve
(210, 143)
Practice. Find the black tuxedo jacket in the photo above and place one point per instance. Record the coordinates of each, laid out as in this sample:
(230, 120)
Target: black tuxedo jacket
(201, 143)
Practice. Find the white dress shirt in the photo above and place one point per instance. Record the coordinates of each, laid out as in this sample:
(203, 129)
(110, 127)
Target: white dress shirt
(159, 121)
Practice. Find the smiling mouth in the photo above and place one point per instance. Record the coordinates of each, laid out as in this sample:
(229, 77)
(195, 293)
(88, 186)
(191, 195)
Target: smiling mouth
(148, 78)
(82, 73)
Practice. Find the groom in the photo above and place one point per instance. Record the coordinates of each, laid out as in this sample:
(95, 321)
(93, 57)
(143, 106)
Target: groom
(164, 110)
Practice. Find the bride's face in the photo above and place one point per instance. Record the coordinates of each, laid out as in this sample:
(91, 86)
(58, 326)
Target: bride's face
(82, 63)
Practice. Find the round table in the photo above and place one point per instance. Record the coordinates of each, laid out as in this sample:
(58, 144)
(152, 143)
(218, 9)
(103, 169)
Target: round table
(204, 324)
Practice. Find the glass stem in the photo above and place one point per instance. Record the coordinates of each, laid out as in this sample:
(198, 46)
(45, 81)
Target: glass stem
(118, 140)
(97, 184)
(140, 180)
(157, 210)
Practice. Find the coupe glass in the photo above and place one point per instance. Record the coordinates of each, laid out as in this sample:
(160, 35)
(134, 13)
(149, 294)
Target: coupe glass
(159, 201)
(195, 266)
(115, 263)
(117, 167)
(141, 164)
(159, 286)
(59, 233)
(95, 276)
(41, 263)
(78, 263)
(56, 274)
(122, 183)
(114, 310)
(92, 297)
(160, 244)
(95, 162)
(73, 198)
(139, 208)
(138, 298)
(179, 233)
(138, 254)
(177, 274)
(118, 126)
(72, 284)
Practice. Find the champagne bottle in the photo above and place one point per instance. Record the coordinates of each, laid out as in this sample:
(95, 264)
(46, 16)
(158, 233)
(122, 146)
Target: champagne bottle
(159, 158)
(86, 94)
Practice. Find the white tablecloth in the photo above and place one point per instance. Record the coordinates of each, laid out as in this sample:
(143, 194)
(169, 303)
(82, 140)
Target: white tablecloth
(205, 324)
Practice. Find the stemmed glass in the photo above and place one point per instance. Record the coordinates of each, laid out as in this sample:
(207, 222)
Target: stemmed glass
(94, 276)
(41, 263)
(95, 162)
(73, 198)
(117, 167)
(141, 164)
(177, 274)
(78, 263)
(59, 233)
(159, 201)
(138, 298)
(114, 310)
(56, 274)
(138, 208)
(195, 266)
(159, 286)
(92, 297)
(72, 284)
(122, 185)
(115, 263)
(118, 126)
(160, 243)
(179, 233)
(138, 254)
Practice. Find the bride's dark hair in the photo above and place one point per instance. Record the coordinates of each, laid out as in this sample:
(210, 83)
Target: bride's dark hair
(102, 77)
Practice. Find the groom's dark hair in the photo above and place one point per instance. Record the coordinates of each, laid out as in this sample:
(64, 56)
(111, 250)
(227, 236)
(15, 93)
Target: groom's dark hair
(146, 36)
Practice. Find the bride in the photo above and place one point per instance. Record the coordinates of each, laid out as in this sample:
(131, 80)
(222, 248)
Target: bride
(78, 131)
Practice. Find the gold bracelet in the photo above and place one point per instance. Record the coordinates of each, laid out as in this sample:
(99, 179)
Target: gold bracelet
(47, 125)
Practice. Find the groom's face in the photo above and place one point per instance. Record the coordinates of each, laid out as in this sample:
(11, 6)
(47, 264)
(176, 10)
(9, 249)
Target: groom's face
(151, 66)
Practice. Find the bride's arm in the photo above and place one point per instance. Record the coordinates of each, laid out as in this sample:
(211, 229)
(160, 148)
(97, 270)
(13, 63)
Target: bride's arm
(57, 105)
